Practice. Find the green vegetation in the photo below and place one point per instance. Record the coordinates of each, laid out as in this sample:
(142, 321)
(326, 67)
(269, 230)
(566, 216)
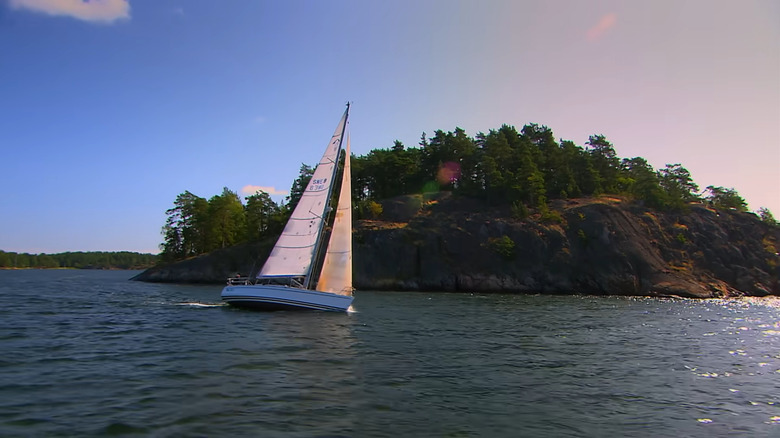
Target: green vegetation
(519, 210)
(197, 226)
(503, 246)
(766, 216)
(527, 169)
(583, 237)
(79, 260)
(726, 199)
(368, 209)
(523, 170)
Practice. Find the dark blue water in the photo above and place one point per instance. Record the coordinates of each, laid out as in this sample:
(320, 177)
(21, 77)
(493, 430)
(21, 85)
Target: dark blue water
(88, 353)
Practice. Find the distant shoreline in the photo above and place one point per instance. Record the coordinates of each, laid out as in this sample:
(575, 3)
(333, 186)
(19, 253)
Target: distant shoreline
(120, 260)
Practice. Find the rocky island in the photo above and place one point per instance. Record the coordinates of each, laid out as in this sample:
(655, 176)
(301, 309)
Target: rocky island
(596, 245)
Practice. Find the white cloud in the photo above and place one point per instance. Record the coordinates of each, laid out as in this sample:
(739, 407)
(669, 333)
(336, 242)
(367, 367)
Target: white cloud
(605, 23)
(106, 11)
(250, 190)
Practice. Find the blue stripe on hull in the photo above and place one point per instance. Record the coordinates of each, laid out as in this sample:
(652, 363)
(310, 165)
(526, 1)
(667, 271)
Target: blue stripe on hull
(269, 303)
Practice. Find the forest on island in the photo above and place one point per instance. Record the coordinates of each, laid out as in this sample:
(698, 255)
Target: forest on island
(523, 169)
(78, 260)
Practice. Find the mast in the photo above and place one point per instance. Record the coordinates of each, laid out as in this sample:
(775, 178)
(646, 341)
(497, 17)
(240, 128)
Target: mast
(320, 239)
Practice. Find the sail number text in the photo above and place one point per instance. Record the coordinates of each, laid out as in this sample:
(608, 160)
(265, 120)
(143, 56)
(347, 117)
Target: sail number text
(318, 184)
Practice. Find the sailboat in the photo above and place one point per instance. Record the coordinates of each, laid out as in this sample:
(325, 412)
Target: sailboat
(304, 271)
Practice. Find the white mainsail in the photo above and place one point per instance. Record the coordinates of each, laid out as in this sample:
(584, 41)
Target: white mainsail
(336, 275)
(293, 254)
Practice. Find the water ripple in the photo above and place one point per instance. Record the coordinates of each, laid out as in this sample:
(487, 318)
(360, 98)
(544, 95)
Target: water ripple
(91, 354)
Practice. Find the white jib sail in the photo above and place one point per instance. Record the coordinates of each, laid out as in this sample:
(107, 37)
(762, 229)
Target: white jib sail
(336, 275)
(294, 251)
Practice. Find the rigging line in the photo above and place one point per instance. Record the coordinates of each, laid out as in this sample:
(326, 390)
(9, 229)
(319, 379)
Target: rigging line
(295, 247)
(327, 163)
(318, 216)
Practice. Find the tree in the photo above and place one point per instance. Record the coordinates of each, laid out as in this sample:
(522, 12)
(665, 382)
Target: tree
(185, 229)
(498, 165)
(384, 173)
(80, 260)
(638, 179)
(451, 159)
(360, 178)
(766, 216)
(720, 197)
(172, 247)
(227, 223)
(299, 185)
(262, 215)
(552, 161)
(529, 184)
(678, 185)
(586, 176)
(605, 162)
(423, 141)
(46, 261)
(571, 154)
(467, 157)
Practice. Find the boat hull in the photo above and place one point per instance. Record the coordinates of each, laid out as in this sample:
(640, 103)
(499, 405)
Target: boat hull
(275, 297)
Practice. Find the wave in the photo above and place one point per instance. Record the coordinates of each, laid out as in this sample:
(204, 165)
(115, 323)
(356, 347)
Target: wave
(196, 304)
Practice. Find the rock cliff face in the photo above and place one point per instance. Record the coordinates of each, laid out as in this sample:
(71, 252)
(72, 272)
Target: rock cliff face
(597, 246)
(212, 268)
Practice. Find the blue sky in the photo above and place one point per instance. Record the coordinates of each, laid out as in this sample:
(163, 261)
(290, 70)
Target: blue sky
(109, 109)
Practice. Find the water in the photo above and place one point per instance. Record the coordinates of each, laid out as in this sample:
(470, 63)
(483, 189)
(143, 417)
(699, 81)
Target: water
(88, 353)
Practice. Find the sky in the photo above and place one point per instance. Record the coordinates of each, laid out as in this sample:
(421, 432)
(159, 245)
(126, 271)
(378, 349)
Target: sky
(110, 109)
